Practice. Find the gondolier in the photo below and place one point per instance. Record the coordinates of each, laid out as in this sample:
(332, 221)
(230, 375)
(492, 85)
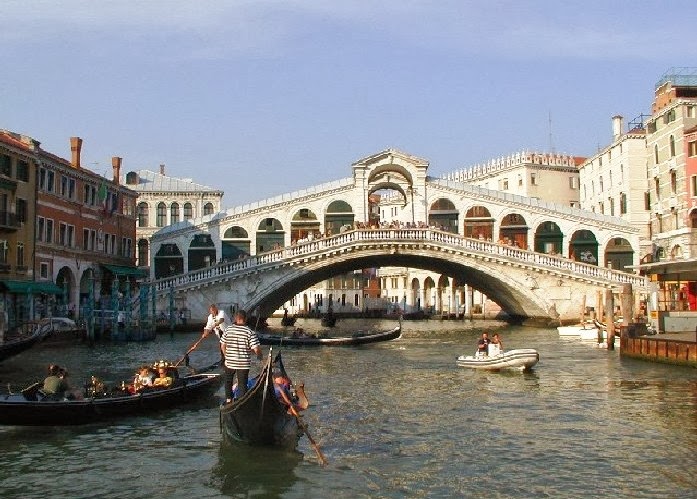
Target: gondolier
(217, 322)
(237, 344)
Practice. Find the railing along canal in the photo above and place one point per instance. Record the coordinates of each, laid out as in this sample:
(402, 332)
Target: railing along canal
(477, 247)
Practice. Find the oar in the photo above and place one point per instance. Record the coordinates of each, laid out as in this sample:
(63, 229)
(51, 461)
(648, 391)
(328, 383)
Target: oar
(191, 349)
(320, 455)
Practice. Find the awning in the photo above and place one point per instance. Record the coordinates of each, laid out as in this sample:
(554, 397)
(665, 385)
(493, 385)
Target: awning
(121, 270)
(31, 287)
(669, 270)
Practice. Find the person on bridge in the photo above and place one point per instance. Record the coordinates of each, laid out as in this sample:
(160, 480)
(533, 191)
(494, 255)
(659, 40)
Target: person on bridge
(238, 342)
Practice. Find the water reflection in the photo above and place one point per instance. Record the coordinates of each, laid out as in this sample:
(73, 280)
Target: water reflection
(245, 471)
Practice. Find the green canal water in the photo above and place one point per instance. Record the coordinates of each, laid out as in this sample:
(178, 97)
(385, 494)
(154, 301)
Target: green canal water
(396, 419)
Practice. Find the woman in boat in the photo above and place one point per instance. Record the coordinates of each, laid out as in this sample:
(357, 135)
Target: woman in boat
(143, 379)
(164, 379)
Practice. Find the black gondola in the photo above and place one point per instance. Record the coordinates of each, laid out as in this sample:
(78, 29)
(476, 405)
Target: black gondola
(258, 417)
(355, 339)
(19, 344)
(29, 409)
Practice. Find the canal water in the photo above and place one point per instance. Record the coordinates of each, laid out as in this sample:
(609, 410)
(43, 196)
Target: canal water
(396, 419)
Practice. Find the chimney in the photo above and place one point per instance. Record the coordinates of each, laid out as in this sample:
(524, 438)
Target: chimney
(617, 125)
(75, 149)
(162, 169)
(116, 166)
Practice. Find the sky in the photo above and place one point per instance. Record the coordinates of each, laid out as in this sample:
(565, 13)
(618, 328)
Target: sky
(264, 97)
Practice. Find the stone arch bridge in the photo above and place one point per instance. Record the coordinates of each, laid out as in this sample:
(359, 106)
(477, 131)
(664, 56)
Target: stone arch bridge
(528, 285)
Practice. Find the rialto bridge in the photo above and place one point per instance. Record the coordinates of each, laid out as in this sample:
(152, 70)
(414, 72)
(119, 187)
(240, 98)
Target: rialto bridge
(536, 260)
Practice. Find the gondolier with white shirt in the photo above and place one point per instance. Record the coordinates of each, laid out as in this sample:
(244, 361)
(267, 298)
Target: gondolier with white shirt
(238, 343)
(217, 322)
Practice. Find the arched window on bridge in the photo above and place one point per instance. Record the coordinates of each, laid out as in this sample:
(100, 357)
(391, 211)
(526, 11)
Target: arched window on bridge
(168, 261)
(304, 226)
(270, 235)
(583, 247)
(514, 231)
(443, 215)
(236, 244)
(479, 223)
(143, 215)
(548, 238)
(201, 252)
(143, 247)
(338, 215)
(619, 254)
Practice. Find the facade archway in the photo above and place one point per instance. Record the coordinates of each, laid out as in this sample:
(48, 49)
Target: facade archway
(583, 247)
(235, 243)
(339, 214)
(429, 294)
(65, 279)
(270, 235)
(415, 294)
(619, 254)
(443, 214)
(479, 224)
(304, 225)
(549, 238)
(201, 252)
(514, 231)
(168, 261)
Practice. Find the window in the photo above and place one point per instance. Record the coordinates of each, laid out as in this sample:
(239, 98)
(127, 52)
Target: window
(693, 185)
(6, 165)
(520, 180)
(49, 230)
(20, 254)
(85, 239)
(23, 171)
(143, 252)
(188, 211)
(21, 210)
(50, 181)
(3, 251)
(600, 184)
(673, 181)
(504, 184)
(40, 228)
(601, 208)
(43, 270)
(161, 215)
(623, 203)
(62, 233)
(672, 146)
(692, 148)
(655, 153)
(208, 209)
(657, 188)
(647, 201)
(651, 126)
(573, 183)
(143, 214)
(533, 179)
(71, 235)
(174, 213)
(612, 206)
(690, 111)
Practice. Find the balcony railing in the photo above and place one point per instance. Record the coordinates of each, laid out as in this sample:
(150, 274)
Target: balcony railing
(9, 220)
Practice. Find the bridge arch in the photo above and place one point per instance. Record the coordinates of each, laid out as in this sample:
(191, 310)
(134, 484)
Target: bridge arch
(304, 225)
(583, 247)
(549, 238)
(339, 213)
(478, 223)
(201, 252)
(619, 254)
(270, 235)
(513, 230)
(235, 244)
(443, 214)
(168, 260)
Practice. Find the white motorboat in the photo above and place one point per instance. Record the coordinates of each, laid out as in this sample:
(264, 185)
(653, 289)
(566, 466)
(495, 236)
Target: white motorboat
(523, 359)
(594, 334)
(577, 329)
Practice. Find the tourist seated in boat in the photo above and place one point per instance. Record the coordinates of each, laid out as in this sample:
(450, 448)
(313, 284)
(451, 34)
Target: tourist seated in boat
(144, 378)
(282, 388)
(483, 345)
(56, 387)
(164, 378)
(496, 345)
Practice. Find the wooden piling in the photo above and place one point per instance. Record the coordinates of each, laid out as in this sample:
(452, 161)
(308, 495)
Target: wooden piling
(609, 320)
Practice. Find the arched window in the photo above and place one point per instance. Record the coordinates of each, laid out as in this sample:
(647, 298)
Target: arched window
(208, 209)
(174, 213)
(143, 215)
(161, 215)
(143, 253)
(188, 211)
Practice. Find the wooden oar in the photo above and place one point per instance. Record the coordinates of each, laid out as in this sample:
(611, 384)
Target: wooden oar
(320, 455)
(191, 349)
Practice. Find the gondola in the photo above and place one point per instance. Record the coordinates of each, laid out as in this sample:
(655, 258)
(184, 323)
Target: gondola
(355, 339)
(258, 417)
(19, 344)
(29, 408)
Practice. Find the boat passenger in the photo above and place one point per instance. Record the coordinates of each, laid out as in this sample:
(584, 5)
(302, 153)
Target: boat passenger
(496, 345)
(282, 388)
(483, 345)
(163, 380)
(55, 385)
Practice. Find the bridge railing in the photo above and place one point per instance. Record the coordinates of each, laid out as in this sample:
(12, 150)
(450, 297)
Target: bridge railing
(477, 246)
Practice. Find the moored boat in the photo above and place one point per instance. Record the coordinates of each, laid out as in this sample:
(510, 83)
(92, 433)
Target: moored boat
(360, 338)
(18, 344)
(30, 408)
(576, 329)
(259, 417)
(522, 359)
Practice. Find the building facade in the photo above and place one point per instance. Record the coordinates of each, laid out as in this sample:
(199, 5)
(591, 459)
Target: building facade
(164, 200)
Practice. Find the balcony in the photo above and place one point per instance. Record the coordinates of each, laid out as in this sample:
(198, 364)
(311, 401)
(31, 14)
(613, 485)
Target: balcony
(9, 221)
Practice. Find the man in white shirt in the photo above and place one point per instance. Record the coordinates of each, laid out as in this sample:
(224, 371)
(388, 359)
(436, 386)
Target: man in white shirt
(217, 322)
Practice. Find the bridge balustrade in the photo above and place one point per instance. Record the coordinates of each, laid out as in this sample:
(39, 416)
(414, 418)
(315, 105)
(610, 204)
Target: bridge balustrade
(476, 246)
